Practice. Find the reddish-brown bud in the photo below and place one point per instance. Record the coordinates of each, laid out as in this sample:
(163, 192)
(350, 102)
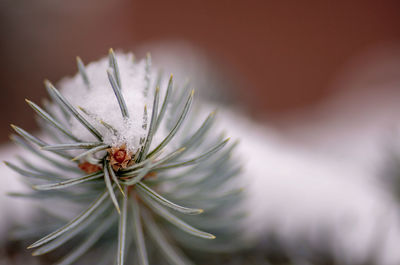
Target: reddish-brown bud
(119, 157)
(89, 168)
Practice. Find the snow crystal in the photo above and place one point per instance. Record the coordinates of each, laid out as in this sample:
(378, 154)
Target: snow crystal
(99, 100)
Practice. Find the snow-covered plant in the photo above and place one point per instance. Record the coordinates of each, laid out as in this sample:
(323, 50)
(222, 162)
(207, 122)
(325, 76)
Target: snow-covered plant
(119, 146)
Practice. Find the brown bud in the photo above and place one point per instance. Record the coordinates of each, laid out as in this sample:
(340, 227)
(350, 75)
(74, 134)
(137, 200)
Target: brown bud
(119, 157)
(89, 168)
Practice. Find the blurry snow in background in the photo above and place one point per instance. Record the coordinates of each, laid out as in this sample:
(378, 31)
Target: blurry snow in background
(326, 168)
(321, 168)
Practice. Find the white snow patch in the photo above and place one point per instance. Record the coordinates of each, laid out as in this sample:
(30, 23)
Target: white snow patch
(100, 100)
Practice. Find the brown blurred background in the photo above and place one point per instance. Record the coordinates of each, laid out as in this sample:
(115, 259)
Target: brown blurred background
(287, 52)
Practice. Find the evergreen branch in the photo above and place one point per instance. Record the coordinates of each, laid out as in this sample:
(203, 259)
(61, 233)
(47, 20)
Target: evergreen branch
(73, 111)
(129, 165)
(146, 191)
(30, 138)
(91, 151)
(176, 221)
(196, 159)
(34, 168)
(52, 161)
(176, 127)
(115, 178)
(69, 183)
(65, 237)
(73, 223)
(205, 126)
(31, 174)
(153, 121)
(149, 164)
(122, 230)
(142, 173)
(51, 120)
(57, 103)
(114, 65)
(70, 146)
(171, 253)
(138, 235)
(147, 75)
(95, 117)
(118, 94)
(165, 103)
(110, 187)
(82, 71)
(88, 243)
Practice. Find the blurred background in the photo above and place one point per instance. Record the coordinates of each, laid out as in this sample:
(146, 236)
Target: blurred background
(286, 55)
(324, 76)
